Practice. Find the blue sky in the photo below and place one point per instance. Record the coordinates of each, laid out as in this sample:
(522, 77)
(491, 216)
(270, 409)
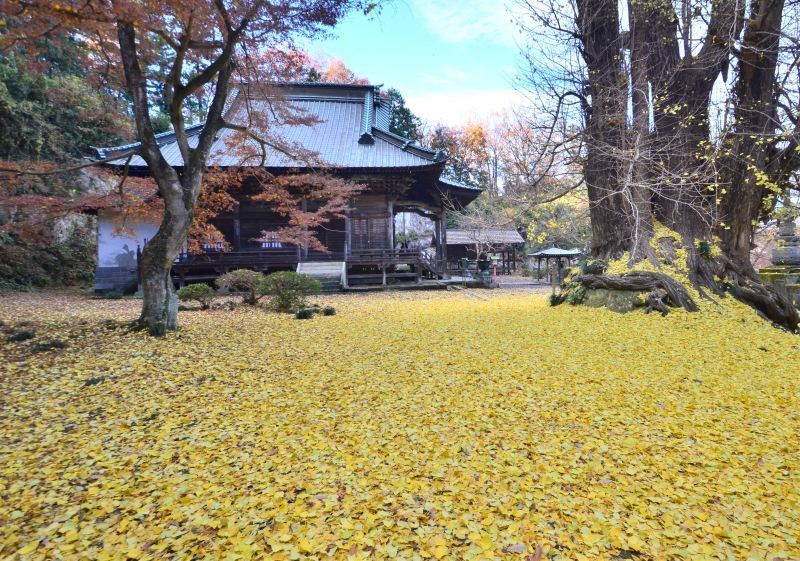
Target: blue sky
(453, 60)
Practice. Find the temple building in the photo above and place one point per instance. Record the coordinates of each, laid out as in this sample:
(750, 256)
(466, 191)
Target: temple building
(351, 136)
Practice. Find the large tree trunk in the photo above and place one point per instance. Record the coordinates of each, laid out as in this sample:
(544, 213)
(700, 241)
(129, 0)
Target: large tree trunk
(635, 170)
(179, 191)
(754, 116)
(160, 303)
(605, 125)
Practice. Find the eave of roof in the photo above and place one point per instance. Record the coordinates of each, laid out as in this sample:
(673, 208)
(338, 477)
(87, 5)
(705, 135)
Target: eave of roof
(450, 182)
(162, 139)
(499, 236)
(556, 252)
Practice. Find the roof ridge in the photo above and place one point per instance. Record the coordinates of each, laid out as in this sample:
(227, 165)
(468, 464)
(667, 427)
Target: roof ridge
(326, 84)
(407, 145)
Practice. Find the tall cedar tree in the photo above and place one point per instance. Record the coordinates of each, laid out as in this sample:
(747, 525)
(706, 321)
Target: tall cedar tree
(402, 120)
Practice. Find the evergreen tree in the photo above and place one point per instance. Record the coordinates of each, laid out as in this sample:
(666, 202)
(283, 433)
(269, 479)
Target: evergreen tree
(55, 115)
(313, 76)
(402, 122)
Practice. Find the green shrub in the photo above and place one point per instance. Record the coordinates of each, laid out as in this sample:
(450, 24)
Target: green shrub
(131, 288)
(245, 282)
(555, 299)
(287, 290)
(201, 293)
(328, 311)
(113, 295)
(12, 286)
(48, 346)
(575, 295)
(305, 313)
(22, 335)
(594, 267)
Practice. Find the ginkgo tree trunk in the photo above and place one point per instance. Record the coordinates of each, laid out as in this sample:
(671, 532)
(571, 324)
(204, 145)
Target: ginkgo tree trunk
(191, 50)
(681, 125)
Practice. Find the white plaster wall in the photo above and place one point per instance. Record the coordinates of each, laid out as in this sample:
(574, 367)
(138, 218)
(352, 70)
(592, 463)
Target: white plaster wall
(115, 249)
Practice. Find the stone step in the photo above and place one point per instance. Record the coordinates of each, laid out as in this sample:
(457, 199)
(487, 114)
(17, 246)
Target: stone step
(329, 286)
(329, 269)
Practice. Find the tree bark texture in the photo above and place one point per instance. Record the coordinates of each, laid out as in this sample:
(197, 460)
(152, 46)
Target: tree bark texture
(604, 125)
(755, 117)
(658, 160)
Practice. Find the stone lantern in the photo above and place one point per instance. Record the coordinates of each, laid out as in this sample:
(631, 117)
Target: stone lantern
(784, 275)
(787, 252)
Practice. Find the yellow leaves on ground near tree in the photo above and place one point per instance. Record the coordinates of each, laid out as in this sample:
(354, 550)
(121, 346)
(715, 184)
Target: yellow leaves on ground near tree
(469, 425)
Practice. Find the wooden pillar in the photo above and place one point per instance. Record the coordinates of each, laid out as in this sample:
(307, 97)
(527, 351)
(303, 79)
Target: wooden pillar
(237, 234)
(348, 234)
(304, 207)
(390, 224)
(443, 231)
(237, 229)
(437, 232)
(139, 267)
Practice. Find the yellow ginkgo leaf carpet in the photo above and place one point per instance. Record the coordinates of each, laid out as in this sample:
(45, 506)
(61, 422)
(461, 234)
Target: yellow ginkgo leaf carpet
(470, 425)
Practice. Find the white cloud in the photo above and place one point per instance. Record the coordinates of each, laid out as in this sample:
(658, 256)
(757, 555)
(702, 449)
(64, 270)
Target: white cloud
(458, 107)
(460, 21)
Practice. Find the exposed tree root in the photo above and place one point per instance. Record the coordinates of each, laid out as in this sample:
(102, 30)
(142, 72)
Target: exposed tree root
(655, 301)
(745, 286)
(769, 303)
(643, 281)
(711, 277)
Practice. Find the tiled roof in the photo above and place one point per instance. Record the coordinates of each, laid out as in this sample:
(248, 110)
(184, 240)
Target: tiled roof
(500, 236)
(349, 133)
(450, 182)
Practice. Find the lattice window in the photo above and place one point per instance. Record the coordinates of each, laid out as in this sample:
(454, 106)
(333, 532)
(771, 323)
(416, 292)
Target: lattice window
(369, 232)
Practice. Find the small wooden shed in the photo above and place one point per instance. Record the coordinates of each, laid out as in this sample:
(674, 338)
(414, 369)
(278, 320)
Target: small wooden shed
(503, 244)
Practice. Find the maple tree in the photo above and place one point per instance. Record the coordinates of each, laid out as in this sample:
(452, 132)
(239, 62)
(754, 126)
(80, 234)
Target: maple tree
(202, 49)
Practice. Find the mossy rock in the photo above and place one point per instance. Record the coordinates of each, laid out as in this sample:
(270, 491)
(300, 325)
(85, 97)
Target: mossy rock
(620, 301)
